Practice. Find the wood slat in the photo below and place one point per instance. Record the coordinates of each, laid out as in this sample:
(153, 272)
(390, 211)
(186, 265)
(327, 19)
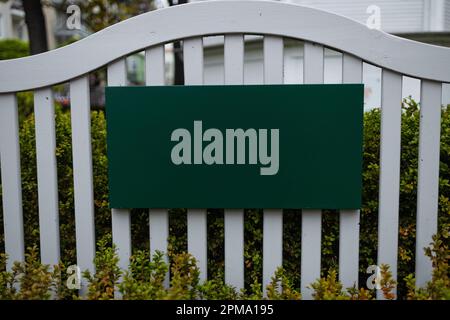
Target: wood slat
(311, 219)
(273, 218)
(349, 219)
(428, 176)
(234, 218)
(196, 218)
(197, 239)
(155, 66)
(158, 218)
(82, 174)
(388, 205)
(159, 235)
(11, 179)
(44, 112)
(120, 218)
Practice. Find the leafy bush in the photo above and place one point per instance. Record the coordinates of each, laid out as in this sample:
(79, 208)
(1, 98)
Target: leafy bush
(329, 288)
(145, 279)
(439, 286)
(13, 48)
(102, 282)
(253, 218)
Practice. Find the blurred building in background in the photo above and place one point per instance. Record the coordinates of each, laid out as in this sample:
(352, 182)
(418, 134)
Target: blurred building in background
(12, 20)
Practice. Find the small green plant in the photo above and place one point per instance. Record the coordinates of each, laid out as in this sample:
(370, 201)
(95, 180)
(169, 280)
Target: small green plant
(185, 278)
(281, 287)
(145, 277)
(387, 282)
(328, 288)
(28, 280)
(102, 282)
(438, 288)
(216, 290)
(8, 280)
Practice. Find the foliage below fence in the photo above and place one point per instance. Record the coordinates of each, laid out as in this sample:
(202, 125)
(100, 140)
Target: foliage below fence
(253, 218)
(144, 279)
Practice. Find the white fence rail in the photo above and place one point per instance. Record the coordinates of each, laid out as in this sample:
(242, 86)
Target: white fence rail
(233, 19)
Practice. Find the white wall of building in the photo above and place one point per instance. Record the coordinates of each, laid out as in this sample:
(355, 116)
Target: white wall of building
(397, 16)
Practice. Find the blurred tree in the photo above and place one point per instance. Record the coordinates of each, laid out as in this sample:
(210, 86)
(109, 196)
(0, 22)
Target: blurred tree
(35, 20)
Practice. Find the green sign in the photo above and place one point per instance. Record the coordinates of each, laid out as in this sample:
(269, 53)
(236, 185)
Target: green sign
(256, 146)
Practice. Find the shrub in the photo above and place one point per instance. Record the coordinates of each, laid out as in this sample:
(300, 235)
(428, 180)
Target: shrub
(145, 277)
(438, 288)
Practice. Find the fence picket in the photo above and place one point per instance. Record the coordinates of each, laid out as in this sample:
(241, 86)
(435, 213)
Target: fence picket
(158, 218)
(82, 174)
(196, 218)
(155, 66)
(311, 219)
(47, 176)
(234, 218)
(428, 176)
(120, 218)
(391, 97)
(273, 218)
(349, 219)
(11, 179)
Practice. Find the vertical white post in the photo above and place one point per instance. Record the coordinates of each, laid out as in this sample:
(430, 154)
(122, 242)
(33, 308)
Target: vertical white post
(158, 218)
(349, 219)
(196, 218)
(155, 66)
(11, 180)
(234, 218)
(391, 98)
(120, 218)
(47, 176)
(428, 178)
(82, 174)
(311, 219)
(273, 218)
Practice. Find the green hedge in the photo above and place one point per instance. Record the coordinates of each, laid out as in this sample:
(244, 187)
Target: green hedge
(13, 48)
(253, 218)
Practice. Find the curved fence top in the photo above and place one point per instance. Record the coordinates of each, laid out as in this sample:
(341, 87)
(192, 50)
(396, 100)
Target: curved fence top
(223, 17)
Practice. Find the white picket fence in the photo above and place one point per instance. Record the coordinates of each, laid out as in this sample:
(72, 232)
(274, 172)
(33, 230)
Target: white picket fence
(233, 19)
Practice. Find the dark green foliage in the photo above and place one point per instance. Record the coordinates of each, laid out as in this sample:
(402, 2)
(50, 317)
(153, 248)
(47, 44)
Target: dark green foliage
(107, 273)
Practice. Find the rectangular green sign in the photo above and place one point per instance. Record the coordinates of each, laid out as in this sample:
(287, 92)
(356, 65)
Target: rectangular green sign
(253, 146)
